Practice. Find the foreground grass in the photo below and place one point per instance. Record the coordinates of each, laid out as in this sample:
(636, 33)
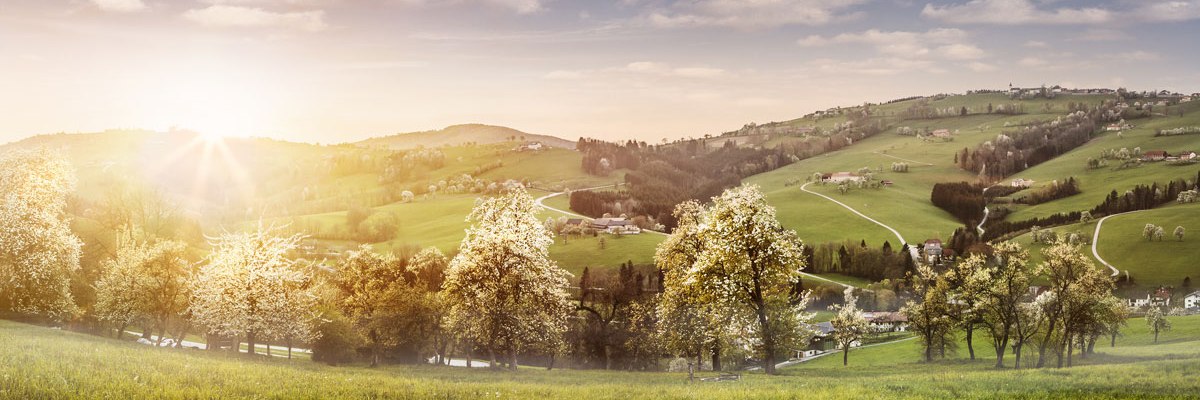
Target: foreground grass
(38, 363)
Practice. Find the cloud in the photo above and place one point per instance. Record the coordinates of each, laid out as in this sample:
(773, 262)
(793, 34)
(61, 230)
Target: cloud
(1167, 11)
(1101, 35)
(1036, 44)
(981, 67)
(120, 5)
(641, 68)
(1138, 55)
(751, 14)
(1014, 12)
(248, 17)
(518, 6)
(948, 43)
(1032, 62)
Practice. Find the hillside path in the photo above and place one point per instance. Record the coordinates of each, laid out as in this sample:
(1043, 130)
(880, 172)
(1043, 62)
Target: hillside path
(911, 249)
(789, 363)
(540, 202)
(1096, 240)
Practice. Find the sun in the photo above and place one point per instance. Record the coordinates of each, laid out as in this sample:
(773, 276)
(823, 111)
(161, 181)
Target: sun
(217, 105)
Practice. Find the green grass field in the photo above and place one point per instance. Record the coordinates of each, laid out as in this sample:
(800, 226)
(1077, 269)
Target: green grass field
(1096, 184)
(1155, 263)
(38, 363)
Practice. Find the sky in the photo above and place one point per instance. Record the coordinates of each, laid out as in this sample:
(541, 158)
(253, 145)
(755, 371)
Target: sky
(333, 71)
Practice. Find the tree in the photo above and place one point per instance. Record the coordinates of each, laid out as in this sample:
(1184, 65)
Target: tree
(249, 287)
(372, 293)
(1179, 233)
(1077, 286)
(687, 324)
(1085, 217)
(504, 291)
(1148, 232)
(428, 267)
(750, 264)
(930, 315)
(146, 283)
(1157, 321)
(849, 325)
(1159, 233)
(38, 252)
(998, 288)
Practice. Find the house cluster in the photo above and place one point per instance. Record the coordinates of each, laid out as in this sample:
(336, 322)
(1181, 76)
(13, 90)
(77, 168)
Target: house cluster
(935, 252)
(822, 341)
(530, 146)
(1161, 297)
(839, 177)
(1163, 155)
(1118, 126)
(1021, 183)
(616, 226)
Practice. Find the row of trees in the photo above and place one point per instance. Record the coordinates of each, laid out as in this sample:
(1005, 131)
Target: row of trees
(991, 291)
(1015, 151)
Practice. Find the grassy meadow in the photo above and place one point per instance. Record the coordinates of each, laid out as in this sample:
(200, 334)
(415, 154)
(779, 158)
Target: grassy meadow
(40, 363)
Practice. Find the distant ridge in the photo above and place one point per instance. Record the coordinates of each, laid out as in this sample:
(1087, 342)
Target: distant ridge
(459, 134)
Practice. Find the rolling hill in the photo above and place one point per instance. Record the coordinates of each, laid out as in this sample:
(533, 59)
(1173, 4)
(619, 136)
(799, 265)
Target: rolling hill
(455, 135)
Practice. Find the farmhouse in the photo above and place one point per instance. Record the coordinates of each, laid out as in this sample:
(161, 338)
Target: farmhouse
(1192, 301)
(1138, 302)
(1022, 183)
(1186, 155)
(933, 249)
(531, 146)
(839, 177)
(887, 321)
(618, 226)
(1155, 155)
(941, 133)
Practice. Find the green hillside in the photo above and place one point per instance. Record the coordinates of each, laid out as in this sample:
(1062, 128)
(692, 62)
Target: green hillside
(457, 135)
(43, 363)
(905, 205)
(1095, 184)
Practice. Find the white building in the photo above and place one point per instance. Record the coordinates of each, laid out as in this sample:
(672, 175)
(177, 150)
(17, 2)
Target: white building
(1192, 300)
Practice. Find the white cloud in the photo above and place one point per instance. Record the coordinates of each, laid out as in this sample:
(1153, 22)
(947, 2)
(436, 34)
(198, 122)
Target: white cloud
(1167, 10)
(1014, 12)
(236, 16)
(120, 5)
(1138, 55)
(641, 68)
(1036, 44)
(959, 51)
(981, 67)
(1032, 62)
(1101, 35)
(519, 6)
(751, 14)
(564, 75)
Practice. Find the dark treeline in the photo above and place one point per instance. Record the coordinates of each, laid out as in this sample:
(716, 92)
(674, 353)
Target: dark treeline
(1055, 191)
(1017, 150)
(616, 316)
(859, 260)
(661, 176)
(1141, 197)
(963, 200)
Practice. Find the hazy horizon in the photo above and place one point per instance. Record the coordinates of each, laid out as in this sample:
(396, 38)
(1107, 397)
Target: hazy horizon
(333, 71)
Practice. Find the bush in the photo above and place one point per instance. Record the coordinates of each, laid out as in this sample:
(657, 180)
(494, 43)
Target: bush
(337, 341)
(379, 227)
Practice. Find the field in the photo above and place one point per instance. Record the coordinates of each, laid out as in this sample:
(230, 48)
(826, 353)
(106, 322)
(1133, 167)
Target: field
(1097, 183)
(1152, 264)
(905, 205)
(43, 363)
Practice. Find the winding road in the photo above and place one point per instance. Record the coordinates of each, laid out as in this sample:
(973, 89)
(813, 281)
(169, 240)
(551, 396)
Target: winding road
(911, 249)
(541, 202)
(1096, 240)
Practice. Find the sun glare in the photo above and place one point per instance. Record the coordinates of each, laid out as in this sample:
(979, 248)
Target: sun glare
(215, 105)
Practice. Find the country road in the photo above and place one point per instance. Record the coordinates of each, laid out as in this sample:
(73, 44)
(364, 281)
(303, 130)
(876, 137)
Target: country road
(1096, 240)
(912, 250)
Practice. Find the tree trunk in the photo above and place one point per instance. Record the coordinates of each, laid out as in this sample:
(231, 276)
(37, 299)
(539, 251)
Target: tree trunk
(929, 348)
(768, 340)
(375, 348)
(1017, 356)
(845, 355)
(268, 349)
(289, 344)
(1156, 335)
(182, 334)
(970, 344)
(492, 355)
(1114, 339)
(250, 343)
(121, 331)
(513, 356)
(1000, 350)
(716, 356)
(1041, 362)
(1070, 351)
